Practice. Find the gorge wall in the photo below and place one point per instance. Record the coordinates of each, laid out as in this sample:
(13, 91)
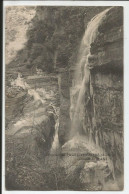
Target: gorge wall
(106, 87)
(64, 116)
(44, 149)
(102, 112)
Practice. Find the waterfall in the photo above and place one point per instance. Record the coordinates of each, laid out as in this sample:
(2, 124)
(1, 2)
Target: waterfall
(81, 89)
(82, 73)
(55, 144)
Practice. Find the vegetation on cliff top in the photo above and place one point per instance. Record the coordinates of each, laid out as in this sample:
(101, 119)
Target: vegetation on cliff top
(54, 37)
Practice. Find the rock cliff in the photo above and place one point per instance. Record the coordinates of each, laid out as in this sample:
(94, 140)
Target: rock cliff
(64, 116)
(102, 112)
(106, 87)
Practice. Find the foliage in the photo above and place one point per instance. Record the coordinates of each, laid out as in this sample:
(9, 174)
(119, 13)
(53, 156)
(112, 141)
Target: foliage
(55, 34)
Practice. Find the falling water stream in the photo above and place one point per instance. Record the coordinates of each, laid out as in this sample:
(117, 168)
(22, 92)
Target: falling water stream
(81, 66)
(81, 87)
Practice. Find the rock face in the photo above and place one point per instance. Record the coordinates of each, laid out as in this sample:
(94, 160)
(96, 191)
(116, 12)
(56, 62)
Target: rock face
(10, 108)
(106, 87)
(108, 46)
(17, 21)
(25, 149)
(31, 130)
(102, 113)
(64, 116)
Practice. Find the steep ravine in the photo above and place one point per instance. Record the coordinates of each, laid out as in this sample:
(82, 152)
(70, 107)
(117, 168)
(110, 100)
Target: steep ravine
(64, 130)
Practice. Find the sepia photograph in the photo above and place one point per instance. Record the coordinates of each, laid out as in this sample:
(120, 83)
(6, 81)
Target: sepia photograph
(64, 98)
